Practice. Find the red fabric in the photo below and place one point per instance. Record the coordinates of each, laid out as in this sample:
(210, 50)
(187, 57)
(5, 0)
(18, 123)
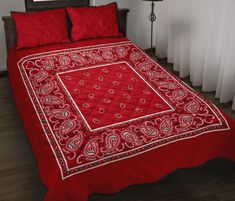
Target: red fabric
(75, 162)
(41, 28)
(94, 22)
(122, 95)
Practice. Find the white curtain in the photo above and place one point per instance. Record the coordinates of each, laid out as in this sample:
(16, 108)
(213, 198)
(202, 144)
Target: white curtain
(198, 36)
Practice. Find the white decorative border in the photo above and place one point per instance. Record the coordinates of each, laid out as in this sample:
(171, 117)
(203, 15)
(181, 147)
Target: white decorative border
(180, 82)
(119, 123)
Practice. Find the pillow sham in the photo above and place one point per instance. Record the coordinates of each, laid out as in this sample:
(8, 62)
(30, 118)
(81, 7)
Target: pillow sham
(41, 28)
(94, 22)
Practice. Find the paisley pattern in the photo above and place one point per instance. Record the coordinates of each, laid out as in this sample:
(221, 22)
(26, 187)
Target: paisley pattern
(74, 143)
(40, 76)
(166, 126)
(60, 113)
(112, 142)
(179, 95)
(66, 110)
(149, 131)
(91, 149)
(52, 100)
(66, 126)
(130, 137)
(46, 88)
(192, 107)
(185, 122)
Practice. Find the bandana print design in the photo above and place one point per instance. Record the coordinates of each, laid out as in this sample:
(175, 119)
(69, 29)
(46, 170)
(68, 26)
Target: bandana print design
(105, 103)
(121, 93)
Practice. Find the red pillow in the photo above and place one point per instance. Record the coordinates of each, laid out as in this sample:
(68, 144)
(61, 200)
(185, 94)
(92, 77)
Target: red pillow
(94, 22)
(41, 28)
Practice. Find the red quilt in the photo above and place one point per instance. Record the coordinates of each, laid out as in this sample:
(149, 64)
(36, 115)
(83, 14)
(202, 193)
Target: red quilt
(94, 110)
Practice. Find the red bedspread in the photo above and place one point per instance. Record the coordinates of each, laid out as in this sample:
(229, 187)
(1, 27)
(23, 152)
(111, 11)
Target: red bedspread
(101, 115)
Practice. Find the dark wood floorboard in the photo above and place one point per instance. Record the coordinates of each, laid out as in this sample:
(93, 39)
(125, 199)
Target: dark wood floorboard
(19, 179)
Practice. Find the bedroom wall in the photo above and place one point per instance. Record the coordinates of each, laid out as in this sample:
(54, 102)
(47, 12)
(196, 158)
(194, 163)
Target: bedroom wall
(5, 7)
(138, 28)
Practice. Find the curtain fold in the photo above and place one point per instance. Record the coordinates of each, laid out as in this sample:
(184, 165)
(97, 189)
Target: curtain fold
(198, 37)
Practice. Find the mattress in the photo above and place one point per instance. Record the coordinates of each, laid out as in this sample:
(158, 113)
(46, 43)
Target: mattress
(101, 115)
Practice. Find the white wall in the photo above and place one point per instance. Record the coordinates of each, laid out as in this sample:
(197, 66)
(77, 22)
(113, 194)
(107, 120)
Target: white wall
(138, 28)
(5, 7)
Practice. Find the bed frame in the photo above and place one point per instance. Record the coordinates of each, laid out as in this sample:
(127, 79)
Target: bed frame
(31, 5)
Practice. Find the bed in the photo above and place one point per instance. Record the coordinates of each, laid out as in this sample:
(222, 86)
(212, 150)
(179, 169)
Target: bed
(101, 115)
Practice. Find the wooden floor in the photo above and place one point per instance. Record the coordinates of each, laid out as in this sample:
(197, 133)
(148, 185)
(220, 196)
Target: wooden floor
(19, 179)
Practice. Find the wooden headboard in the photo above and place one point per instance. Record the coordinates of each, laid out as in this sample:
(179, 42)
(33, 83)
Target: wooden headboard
(9, 24)
(37, 5)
